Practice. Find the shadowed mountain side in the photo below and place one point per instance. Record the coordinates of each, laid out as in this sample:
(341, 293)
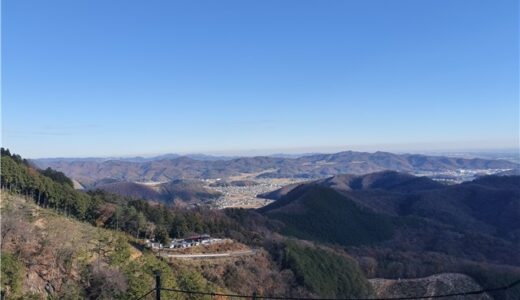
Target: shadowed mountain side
(320, 213)
(385, 180)
(188, 191)
(178, 192)
(134, 190)
(479, 220)
(279, 193)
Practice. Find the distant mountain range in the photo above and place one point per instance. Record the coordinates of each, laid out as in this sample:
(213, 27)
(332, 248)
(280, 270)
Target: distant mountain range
(166, 168)
(195, 156)
(477, 220)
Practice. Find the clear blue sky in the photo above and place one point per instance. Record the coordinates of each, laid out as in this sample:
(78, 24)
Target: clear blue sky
(90, 78)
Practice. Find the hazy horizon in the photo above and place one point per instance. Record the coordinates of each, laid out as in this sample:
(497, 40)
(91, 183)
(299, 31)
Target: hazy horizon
(398, 149)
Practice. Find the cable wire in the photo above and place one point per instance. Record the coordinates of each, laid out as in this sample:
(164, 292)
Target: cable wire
(300, 298)
(142, 297)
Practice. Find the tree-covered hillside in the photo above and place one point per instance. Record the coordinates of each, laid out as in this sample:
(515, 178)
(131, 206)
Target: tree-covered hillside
(62, 243)
(47, 255)
(58, 241)
(402, 227)
(317, 213)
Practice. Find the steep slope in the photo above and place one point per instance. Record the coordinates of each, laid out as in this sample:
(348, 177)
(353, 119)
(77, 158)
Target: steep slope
(313, 266)
(187, 192)
(489, 205)
(41, 260)
(475, 220)
(176, 192)
(320, 213)
(279, 193)
(134, 190)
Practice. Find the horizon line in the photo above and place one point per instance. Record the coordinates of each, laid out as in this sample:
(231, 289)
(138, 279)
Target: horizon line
(291, 152)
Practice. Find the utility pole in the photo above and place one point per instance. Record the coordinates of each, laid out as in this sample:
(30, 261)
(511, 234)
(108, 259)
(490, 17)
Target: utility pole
(99, 253)
(157, 285)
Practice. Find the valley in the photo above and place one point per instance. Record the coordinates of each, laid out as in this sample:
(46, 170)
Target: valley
(237, 182)
(382, 234)
(93, 172)
(236, 196)
(216, 194)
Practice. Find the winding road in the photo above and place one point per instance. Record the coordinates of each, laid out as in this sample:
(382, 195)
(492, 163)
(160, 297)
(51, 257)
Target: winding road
(209, 255)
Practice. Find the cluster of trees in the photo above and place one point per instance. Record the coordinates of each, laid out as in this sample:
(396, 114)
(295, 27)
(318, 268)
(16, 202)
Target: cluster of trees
(15, 157)
(331, 217)
(140, 218)
(82, 262)
(12, 275)
(313, 266)
(57, 176)
(53, 189)
(47, 191)
(178, 222)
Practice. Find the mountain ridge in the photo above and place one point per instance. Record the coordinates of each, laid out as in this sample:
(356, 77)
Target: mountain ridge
(478, 219)
(89, 171)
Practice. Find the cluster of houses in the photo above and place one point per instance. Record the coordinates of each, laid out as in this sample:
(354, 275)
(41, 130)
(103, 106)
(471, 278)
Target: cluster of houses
(192, 241)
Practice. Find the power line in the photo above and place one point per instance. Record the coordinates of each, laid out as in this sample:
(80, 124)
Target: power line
(148, 293)
(477, 292)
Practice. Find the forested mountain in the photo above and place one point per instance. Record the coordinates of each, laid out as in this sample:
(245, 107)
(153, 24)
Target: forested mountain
(62, 243)
(46, 255)
(387, 180)
(131, 189)
(406, 226)
(188, 192)
(321, 239)
(89, 171)
(488, 205)
(176, 192)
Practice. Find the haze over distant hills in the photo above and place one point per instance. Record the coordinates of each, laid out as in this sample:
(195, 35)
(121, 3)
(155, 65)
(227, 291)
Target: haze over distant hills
(166, 168)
